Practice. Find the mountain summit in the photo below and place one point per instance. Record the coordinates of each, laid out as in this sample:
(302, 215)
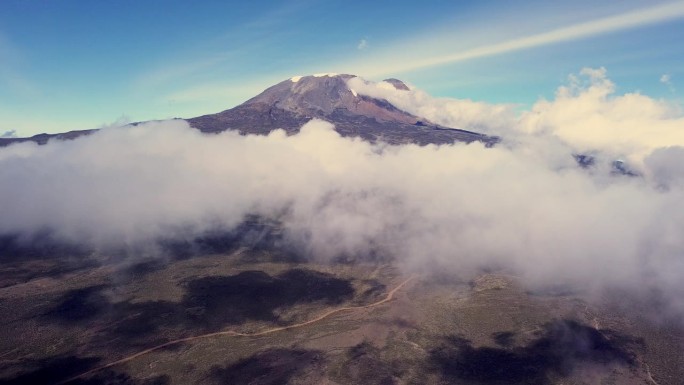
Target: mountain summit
(291, 103)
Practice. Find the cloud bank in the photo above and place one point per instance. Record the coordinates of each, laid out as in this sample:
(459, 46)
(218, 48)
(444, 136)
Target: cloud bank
(586, 115)
(525, 206)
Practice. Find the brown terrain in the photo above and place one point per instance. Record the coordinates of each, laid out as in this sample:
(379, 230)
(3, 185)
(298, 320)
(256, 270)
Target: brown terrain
(240, 314)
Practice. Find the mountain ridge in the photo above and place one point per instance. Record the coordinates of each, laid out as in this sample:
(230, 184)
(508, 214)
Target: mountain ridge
(290, 104)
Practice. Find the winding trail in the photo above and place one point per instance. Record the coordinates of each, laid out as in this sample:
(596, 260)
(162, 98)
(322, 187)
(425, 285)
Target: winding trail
(648, 374)
(232, 333)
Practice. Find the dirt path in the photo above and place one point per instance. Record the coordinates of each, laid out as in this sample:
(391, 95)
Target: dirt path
(648, 374)
(232, 333)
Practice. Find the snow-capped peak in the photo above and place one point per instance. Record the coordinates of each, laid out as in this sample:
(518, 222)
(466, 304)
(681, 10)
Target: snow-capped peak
(295, 79)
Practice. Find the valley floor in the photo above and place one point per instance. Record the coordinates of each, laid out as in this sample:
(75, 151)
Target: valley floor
(257, 317)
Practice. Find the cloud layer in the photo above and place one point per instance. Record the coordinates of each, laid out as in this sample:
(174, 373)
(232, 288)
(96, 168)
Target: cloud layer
(586, 115)
(525, 206)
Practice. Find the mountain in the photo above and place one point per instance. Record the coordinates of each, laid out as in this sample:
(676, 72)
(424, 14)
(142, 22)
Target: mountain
(43, 138)
(245, 305)
(290, 104)
(293, 102)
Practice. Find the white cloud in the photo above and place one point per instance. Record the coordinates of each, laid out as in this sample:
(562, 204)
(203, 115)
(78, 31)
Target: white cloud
(667, 80)
(363, 44)
(9, 134)
(458, 113)
(586, 115)
(524, 206)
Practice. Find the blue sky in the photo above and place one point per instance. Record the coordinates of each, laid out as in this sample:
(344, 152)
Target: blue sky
(80, 64)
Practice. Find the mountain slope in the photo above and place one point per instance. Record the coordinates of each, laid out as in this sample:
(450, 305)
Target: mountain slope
(290, 104)
(293, 102)
(44, 138)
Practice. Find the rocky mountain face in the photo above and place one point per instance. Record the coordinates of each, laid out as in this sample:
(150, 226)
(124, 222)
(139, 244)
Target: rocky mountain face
(290, 104)
(293, 102)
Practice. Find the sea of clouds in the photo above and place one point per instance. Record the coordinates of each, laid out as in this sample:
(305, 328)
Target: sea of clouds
(524, 206)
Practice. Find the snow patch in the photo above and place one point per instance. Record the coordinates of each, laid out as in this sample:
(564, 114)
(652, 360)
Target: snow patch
(295, 79)
(353, 92)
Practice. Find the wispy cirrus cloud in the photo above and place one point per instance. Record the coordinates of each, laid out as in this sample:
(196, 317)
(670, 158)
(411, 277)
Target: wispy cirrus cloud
(435, 55)
(212, 97)
(222, 55)
(163, 75)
